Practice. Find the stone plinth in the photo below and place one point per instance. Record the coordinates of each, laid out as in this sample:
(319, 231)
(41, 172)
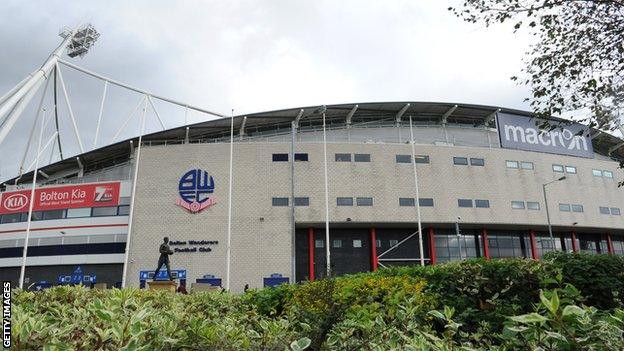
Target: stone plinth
(167, 285)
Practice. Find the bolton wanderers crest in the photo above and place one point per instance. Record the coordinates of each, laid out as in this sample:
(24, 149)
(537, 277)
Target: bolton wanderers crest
(195, 188)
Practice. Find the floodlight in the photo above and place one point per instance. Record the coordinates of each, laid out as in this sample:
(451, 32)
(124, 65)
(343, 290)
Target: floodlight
(82, 40)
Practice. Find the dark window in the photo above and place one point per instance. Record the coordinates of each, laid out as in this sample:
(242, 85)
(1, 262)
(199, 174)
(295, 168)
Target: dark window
(364, 201)
(301, 157)
(482, 203)
(337, 243)
(564, 207)
(319, 243)
(577, 208)
(425, 201)
(422, 159)
(104, 211)
(403, 159)
(464, 202)
(460, 161)
(477, 162)
(533, 205)
(79, 212)
(517, 205)
(302, 201)
(343, 157)
(124, 210)
(37, 216)
(361, 157)
(280, 157)
(344, 201)
(280, 201)
(604, 210)
(55, 214)
(615, 211)
(407, 201)
(11, 218)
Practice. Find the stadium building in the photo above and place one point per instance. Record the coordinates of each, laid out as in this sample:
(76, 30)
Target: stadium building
(485, 182)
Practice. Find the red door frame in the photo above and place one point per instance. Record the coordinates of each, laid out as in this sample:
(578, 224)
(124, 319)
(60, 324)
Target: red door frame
(373, 239)
(432, 248)
(486, 248)
(609, 243)
(533, 244)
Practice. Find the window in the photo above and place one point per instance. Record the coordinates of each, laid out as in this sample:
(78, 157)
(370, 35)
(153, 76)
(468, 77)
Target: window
(302, 201)
(526, 165)
(343, 157)
(280, 201)
(393, 242)
(557, 168)
(477, 162)
(424, 201)
(564, 207)
(511, 164)
(570, 169)
(336, 243)
(36, 216)
(422, 159)
(55, 214)
(517, 205)
(79, 212)
(104, 211)
(11, 218)
(576, 208)
(533, 205)
(301, 157)
(364, 201)
(607, 174)
(357, 243)
(319, 243)
(615, 211)
(462, 161)
(596, 173)
(403, 159)
(451, 247)
(280, 157)
(407, 201)
(377, 243)
(464, 202)
(604, 210)
(361, 157)
(482, 203)
(344, 201)
(123, 210)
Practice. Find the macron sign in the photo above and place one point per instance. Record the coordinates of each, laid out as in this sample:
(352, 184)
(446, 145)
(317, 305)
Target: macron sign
(519, 132)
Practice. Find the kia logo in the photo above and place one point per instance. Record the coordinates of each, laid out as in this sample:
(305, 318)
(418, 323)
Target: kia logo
(15, 202)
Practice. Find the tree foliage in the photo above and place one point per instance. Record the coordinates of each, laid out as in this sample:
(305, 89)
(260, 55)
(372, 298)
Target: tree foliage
(576, 64)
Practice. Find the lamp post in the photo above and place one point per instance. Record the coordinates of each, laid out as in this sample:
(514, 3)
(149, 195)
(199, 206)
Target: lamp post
(552, 239)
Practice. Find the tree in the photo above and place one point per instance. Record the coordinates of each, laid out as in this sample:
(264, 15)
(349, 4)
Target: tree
(576, 64)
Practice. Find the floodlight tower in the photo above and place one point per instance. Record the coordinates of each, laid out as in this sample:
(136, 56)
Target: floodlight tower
(76, 42)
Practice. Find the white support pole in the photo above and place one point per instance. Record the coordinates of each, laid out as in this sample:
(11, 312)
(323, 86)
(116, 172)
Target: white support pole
(17, 110)
(137, 151)
(135, 109)
(69, 108)
(420, 237)
(149, 98)
(30, 205)
(97, 128)
(229, 230)
(327, 243)
(32, 130)
(15, 88)
(40, 153)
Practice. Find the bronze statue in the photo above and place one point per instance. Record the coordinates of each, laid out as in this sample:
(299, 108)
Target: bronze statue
(165, 251)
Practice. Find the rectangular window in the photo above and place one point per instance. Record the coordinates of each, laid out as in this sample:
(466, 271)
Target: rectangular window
(477, 162)
(511, 164)
(36, 216)
(377, 243)
(425, 201)
(615, 211)
(564, 207)
(576, 208)
(361, 157)
(54, 214)
(336, 243)
(464, 202)
(526, 165)
(604, 210)
(79, 212)
(11, 218)
(403, 159)
(596, 173)
(301, 157)
(407, 201)
(393, 242)
(570, 169)
(319, 243)
(517, 205)
(422, 159)
(279, 201)
(482, 203)
(343, 157)
(462, 161)
(123, 210)
(607, 174)
(104, 211)
(357, 243)
(533, 205)
(364, 201)
(280, 157)
(344, 201)
(557, 168)
(302, 201)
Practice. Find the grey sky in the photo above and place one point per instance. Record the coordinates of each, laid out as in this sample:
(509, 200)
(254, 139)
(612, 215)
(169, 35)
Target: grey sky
(256, 55)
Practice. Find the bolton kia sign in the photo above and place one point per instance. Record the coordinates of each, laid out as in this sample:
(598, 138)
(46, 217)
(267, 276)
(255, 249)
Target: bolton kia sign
(520, 132)
(61, 197)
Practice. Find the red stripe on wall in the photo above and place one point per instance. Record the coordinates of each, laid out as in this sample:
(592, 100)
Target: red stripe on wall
(373, 236)
(533, 244)
(66, 227)
(486, 248)
(311, 254)
(432, 248)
